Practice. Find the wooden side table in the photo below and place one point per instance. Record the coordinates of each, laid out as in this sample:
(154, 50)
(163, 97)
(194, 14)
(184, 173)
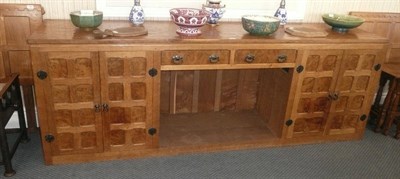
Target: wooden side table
(10, 101)
(393, 110)
(389, 110)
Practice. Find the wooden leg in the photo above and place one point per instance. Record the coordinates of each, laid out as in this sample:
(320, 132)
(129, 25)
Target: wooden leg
(397, 136)
(30, 107)
(392, 110)
(21, 117)
(11, 101)
(382, 82)
(386, 104)
(5, 152)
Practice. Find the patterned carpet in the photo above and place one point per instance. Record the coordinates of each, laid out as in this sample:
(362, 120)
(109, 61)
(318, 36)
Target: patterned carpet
(376, 156)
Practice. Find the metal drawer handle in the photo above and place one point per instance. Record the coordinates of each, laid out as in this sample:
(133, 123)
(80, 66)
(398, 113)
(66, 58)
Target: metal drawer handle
(213, 58)
(250, 58)
(177, 59)
(281, 58)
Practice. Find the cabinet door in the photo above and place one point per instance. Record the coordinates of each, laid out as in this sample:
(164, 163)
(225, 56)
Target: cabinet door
(126, 90)
(355, 88)
(316, 81)
(69, 93)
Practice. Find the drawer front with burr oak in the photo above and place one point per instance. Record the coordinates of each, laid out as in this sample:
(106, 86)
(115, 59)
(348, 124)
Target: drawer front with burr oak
(258, 56)
(195, 57)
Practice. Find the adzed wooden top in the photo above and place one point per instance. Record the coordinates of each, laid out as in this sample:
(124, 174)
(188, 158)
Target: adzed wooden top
(392, 68)
(161, 32)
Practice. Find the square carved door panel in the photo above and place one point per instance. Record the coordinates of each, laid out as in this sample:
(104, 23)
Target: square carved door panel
(334, 93)
(356, 82)
(95, 101)
(127, 98)
(71, 91)
(318, 79)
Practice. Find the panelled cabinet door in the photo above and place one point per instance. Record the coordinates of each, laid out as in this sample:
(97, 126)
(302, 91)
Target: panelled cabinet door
(126, 90)
(71, 88)
(17, 22)
(356, 84)
(316, 82)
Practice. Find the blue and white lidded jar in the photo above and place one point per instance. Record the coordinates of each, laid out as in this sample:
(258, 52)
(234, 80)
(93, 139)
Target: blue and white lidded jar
(281, 13)
(137, 14)
(215, 9)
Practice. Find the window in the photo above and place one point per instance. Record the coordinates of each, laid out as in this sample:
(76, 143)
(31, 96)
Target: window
(159, 9)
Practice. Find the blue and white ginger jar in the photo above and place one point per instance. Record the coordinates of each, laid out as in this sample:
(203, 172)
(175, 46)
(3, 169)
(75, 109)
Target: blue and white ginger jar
(137, 14)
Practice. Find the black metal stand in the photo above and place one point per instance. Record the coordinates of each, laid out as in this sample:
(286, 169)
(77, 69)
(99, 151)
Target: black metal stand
(11, 101)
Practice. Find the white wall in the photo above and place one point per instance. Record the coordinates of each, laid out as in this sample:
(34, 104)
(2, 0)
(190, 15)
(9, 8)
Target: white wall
(159, 9)
(315, 8)
(59, 9)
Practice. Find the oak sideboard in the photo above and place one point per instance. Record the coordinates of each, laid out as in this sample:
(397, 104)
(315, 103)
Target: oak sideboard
(162, 94)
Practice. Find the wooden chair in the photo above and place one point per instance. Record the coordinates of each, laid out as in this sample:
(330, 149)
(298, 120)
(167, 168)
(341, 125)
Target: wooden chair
(384, 24)
(397, 136)
(391, 104)
(387, 113)
(10, 101)
(387, 25)
(393, 110)
(17, 22)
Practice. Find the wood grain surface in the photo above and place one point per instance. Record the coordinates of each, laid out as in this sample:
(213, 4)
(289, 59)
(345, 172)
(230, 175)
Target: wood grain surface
(62, 31)
(152, 106)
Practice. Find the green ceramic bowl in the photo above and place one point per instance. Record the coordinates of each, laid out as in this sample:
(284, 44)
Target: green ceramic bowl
(341, 22)
(86, 20)
(260, 25)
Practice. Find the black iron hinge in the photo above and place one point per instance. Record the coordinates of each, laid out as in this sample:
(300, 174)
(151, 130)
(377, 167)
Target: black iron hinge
(153, 72)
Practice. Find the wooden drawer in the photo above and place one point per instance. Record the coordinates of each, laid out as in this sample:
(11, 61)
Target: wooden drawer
(195, 57)
(265, 56)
